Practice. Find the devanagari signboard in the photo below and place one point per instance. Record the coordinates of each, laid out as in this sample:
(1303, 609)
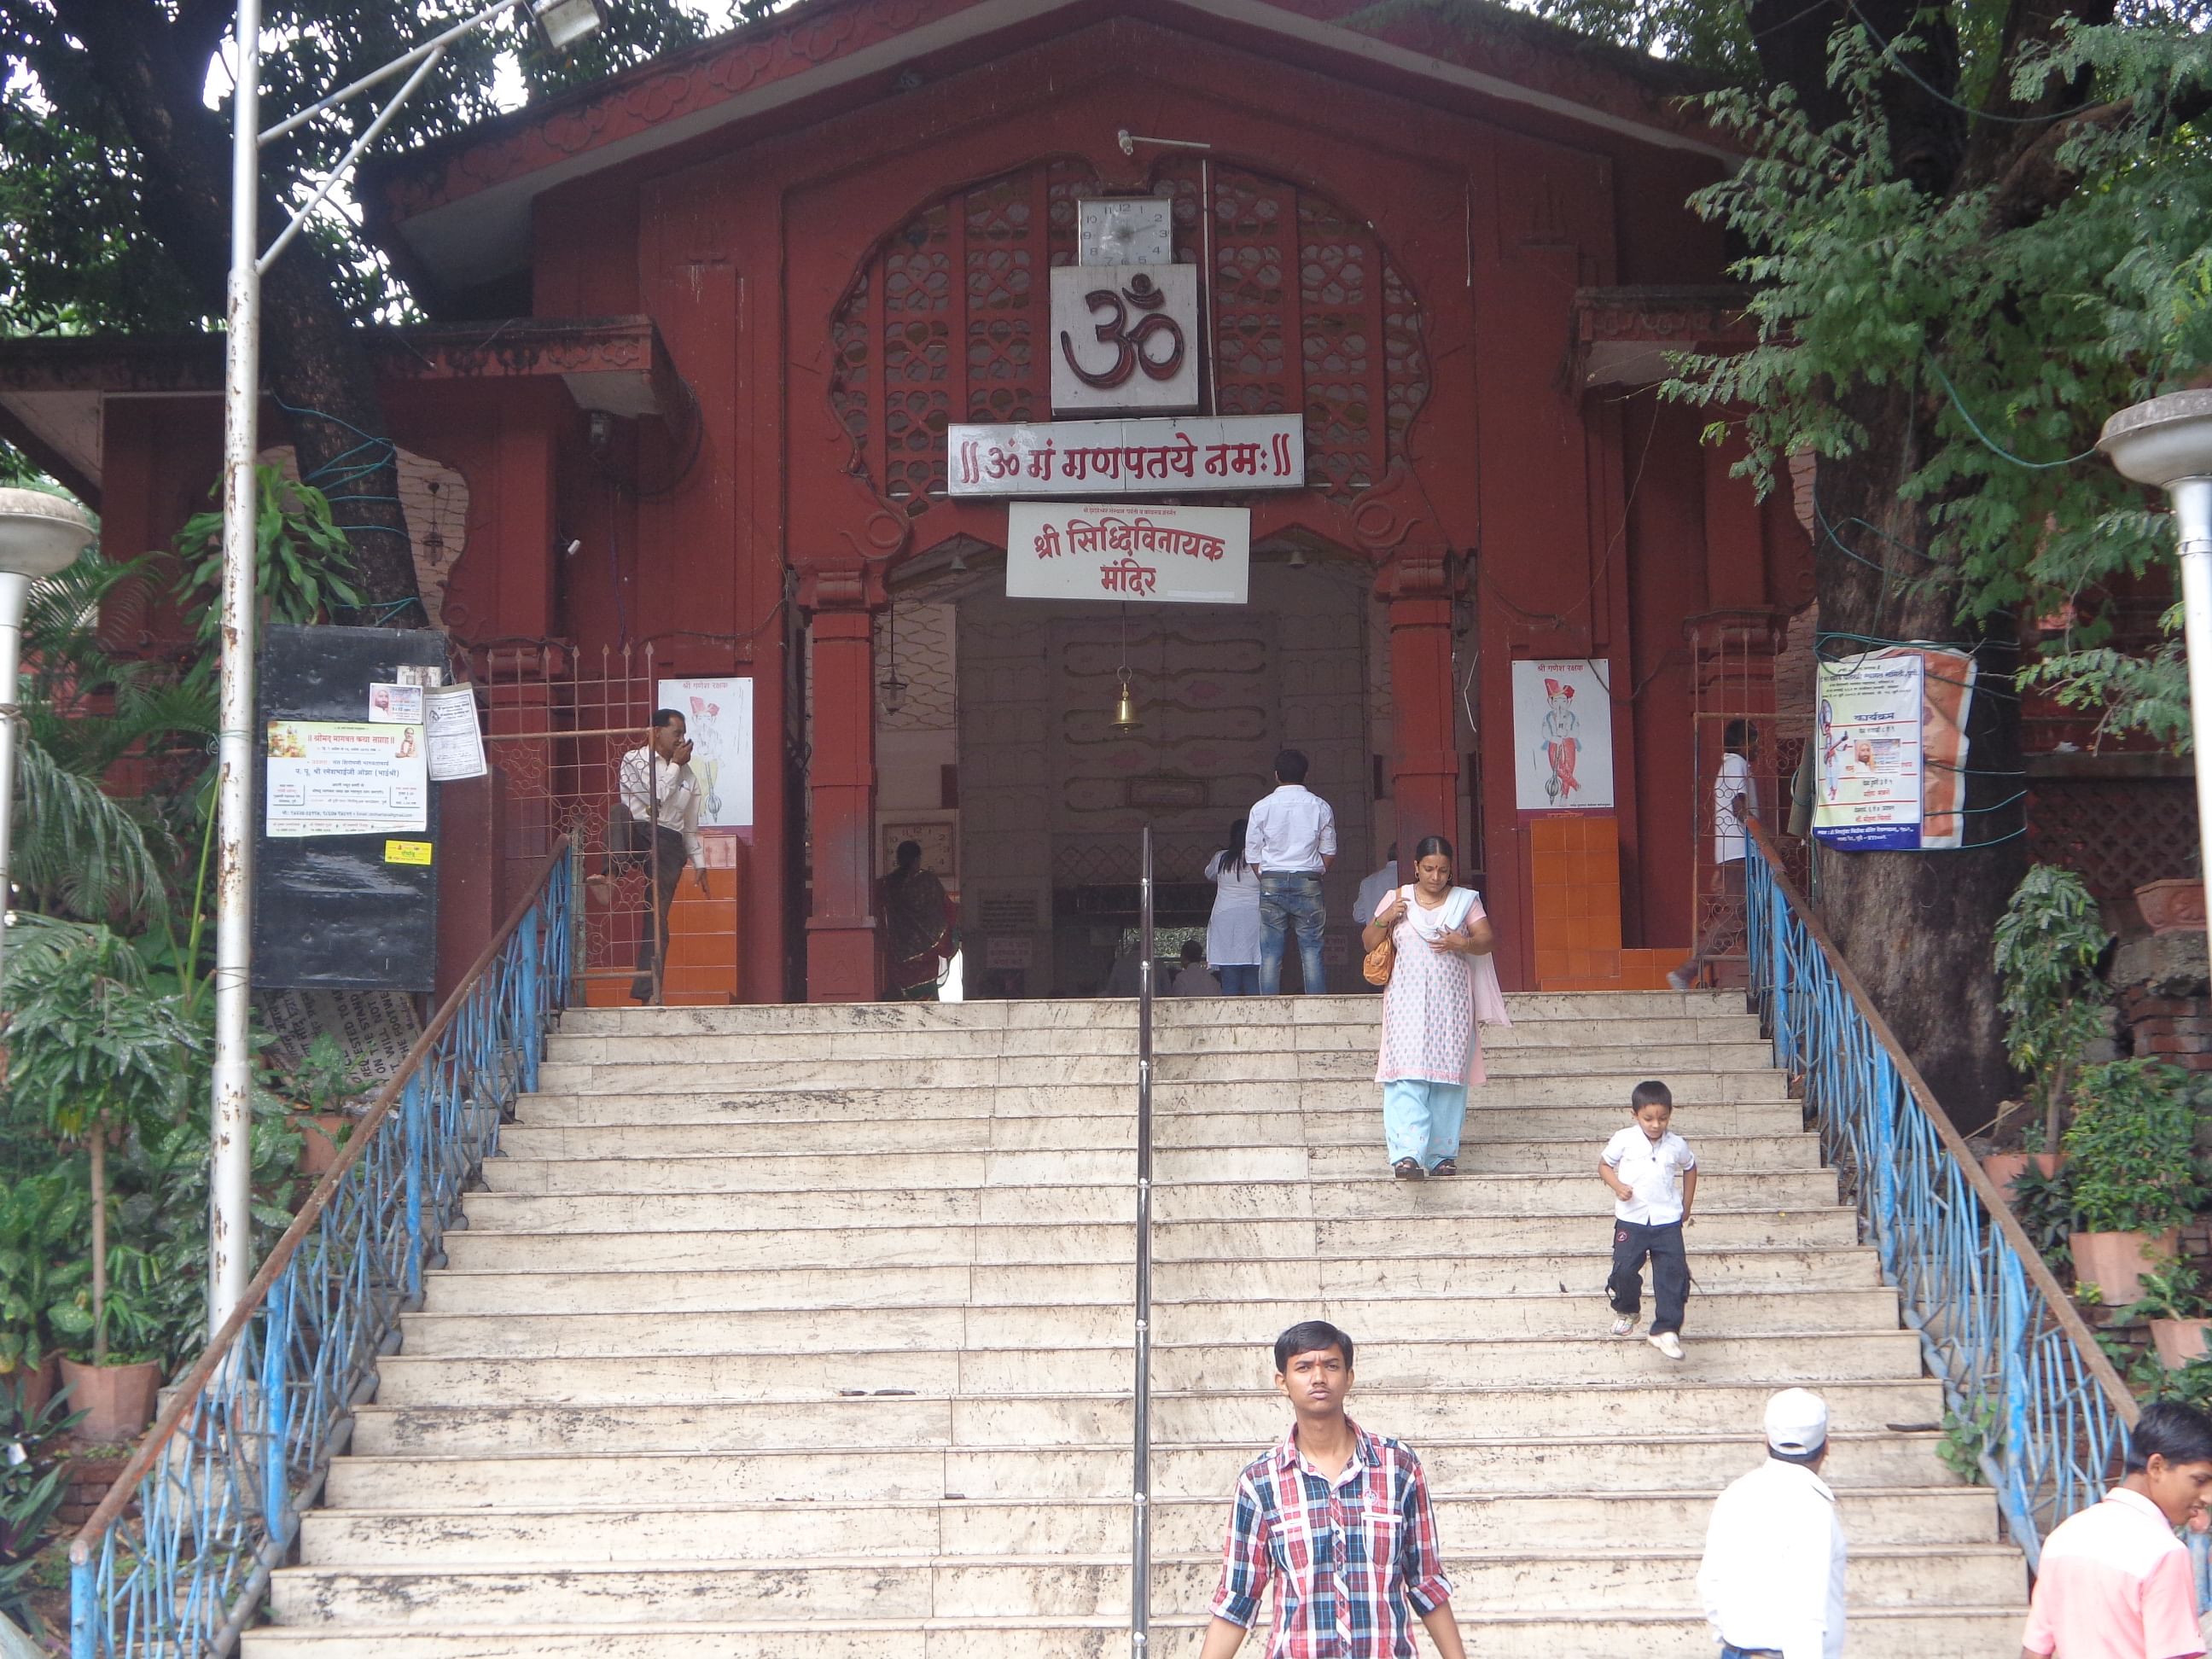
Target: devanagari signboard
(1174, 456)
(1121, 552)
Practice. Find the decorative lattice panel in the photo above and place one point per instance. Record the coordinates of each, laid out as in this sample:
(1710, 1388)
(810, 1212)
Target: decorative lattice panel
(2115, 833)
(950, 320)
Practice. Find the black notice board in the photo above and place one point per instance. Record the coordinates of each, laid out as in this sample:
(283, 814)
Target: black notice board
(328, 911)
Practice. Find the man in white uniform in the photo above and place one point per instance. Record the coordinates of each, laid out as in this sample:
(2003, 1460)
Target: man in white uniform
(1736, 802)
(1772, 1580)
(662, 800)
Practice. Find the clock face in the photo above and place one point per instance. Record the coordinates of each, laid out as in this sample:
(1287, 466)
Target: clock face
(1126, 230)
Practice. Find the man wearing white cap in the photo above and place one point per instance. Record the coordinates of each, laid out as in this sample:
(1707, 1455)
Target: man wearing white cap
(1772, 1580)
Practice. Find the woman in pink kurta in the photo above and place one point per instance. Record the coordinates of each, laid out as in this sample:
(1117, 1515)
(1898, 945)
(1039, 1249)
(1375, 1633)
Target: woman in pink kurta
(1442, 990)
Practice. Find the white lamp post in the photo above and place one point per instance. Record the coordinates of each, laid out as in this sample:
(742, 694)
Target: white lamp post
(564, 22)
(2167, 441)
(40, 535)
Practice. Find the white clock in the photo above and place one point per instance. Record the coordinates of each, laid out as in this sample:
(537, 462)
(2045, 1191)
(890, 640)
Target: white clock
(1125, 230)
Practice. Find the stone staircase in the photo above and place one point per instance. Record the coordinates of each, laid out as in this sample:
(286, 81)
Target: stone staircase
(803, 1331)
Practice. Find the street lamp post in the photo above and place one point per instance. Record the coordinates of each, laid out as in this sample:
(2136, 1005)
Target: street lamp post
(40, 535)
(563, 22)
(2167, 441)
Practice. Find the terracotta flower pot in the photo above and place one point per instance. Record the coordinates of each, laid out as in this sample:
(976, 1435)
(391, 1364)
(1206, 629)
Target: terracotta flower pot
(38, 1381)
(2179, 1340)
(118, 1400)
(2006, 1168)
(2114, 1262)
(2175, 905)
(318, 1140)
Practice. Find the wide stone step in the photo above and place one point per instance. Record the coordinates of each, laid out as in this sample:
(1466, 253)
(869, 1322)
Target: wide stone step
(955, 1588)
(1694, 1071)
(1048, 1473)
(1092, 1526)
(1879, 1633)
(1338, 1143)
(1075, 1013)
(584, 1286)
(579, 1375)
(1042, 1173)
(1664, 1408)
(711, 1230)
(522, 1327)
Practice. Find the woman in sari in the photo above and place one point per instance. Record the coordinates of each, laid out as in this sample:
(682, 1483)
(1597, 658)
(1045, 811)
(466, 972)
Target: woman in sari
(1442, 988)
(918, 917)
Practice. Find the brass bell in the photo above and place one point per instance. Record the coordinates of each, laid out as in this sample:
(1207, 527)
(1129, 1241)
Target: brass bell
(1124, 709)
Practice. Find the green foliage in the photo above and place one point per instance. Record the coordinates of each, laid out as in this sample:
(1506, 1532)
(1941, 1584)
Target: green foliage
(2011, 327)
(2047, 945)
(323, 1079)
(2131, 1158)
(1966, 1441)
(2172, 1289)
(302, 567)
(44, 1219)
(2044, 1206)
(30, 1489)
(2190, 1384)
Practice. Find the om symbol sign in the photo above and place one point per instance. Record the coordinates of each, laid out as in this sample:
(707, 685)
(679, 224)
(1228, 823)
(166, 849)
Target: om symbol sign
(1137, 345)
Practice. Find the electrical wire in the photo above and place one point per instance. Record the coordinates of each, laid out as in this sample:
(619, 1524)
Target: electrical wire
(1991, 444)
(1890, 55)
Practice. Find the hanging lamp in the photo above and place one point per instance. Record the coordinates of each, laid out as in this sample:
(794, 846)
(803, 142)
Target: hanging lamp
(890, 690)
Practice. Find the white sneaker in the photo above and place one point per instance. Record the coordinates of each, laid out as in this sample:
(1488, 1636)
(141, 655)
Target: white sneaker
(1624, 1325)
(1668, 1343)
(1677, 980)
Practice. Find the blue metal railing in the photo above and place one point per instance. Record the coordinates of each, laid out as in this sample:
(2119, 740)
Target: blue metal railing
(175, 1562)
(1995, 1327)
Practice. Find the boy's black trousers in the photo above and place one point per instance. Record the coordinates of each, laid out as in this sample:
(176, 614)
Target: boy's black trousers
(1670, 1271)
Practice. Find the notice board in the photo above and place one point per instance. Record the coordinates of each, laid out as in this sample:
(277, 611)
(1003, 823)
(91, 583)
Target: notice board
(333, 909)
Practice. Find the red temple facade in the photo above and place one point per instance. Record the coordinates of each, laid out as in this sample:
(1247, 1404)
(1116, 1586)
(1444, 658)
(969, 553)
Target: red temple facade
(738, 297)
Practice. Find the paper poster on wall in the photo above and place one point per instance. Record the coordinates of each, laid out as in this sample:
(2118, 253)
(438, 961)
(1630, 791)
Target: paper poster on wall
(1867, 790)
(718, 719)
(456, 740)
(344, 778)
(1562, 737)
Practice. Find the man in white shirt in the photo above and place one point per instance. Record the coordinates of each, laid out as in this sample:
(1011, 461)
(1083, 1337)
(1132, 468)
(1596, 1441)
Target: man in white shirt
(1772, 1579)
(662, 800)
(1736, 802)
(1375, 889)
(1289, 840)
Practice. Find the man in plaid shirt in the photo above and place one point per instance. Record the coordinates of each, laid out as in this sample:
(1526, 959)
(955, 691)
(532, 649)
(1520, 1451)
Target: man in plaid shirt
(1339, 1520)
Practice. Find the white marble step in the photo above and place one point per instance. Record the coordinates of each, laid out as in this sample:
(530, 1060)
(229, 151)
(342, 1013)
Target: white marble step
(1661, 1410)
(579, 1284)
(488, 1369)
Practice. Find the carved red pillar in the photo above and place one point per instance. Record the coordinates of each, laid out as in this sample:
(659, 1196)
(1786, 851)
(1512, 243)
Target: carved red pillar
(1424, 775)
(841, 783)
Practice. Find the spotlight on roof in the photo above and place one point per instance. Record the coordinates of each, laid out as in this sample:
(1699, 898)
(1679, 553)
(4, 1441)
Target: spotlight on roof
(565, 22)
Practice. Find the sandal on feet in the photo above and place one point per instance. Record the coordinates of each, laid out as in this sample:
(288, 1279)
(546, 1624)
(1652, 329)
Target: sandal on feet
(1406, 1169)
(1445, 1166)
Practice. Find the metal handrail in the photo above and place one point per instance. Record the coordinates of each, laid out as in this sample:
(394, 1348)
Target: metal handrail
(1140, 1476)
(2019, 1369)
(219, 1484)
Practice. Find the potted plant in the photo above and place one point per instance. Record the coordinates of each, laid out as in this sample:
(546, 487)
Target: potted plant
(2006, 1169)
(2048, 942)
(96, 1057)
(2133, 1171)
(2172, 1302)
(320, 1085)
(42, 1217)
(31, 1486)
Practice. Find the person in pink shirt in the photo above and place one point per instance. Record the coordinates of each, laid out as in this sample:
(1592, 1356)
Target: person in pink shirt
(2114, 1581)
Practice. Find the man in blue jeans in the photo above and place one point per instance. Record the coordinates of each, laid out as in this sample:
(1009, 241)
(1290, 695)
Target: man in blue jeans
(1290, 839)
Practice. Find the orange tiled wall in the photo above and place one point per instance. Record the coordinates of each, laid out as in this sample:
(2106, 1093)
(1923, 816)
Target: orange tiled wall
(1577, 867)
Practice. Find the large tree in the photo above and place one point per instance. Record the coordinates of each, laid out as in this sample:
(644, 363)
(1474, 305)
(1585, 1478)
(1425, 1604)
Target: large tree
(1970, 231)
(114, 192)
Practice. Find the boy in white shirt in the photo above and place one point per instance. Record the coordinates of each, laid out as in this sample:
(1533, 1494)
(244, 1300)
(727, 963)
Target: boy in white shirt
(1652, 1174)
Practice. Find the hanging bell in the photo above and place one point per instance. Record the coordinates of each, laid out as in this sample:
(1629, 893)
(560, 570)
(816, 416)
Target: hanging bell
(1124, 709)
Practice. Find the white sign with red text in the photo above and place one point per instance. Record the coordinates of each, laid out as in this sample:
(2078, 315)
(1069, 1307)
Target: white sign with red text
(1120, 550)
(1178, 456)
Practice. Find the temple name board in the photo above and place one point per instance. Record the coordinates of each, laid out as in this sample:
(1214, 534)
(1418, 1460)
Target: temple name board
(1174, 456)
(1120, 550)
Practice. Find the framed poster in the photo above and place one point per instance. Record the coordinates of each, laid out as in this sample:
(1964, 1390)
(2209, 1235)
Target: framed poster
(718, 718)
(1869, 764)
(1562, 737)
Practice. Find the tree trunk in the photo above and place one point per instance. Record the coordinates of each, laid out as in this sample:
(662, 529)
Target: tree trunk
(148, 74)
(1917, 928)
(99, 1149)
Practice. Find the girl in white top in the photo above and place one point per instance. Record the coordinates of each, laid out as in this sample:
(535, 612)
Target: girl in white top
(1232, 933)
